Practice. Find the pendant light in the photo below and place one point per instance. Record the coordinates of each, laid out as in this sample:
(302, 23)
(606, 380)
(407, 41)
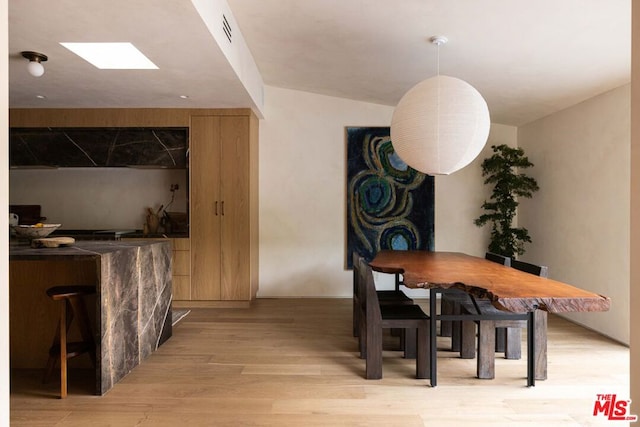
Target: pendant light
(441, 124)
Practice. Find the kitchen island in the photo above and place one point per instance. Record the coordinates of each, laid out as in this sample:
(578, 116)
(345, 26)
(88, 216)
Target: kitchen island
(131, 313)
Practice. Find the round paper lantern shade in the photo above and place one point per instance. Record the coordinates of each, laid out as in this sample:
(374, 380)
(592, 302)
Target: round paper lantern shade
(440, 125)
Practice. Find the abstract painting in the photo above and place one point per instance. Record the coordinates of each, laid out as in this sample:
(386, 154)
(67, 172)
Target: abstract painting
(389, 204)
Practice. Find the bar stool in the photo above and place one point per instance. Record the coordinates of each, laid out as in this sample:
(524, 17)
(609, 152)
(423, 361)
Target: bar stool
(72, 304)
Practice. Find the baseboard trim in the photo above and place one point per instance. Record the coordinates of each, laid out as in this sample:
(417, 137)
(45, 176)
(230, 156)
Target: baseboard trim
(211, 304)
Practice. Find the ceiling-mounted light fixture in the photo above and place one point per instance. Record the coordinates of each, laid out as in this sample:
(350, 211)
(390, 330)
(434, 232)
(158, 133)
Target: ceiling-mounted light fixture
(36, 59)
(441, 124)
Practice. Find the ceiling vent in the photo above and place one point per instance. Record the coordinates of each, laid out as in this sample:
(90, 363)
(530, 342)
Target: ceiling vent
(226, 28)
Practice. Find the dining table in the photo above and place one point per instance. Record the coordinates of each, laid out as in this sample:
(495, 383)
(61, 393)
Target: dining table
(510, 290)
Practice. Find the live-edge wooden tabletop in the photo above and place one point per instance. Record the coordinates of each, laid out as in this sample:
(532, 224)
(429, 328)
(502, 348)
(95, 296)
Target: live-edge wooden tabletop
(508, 288)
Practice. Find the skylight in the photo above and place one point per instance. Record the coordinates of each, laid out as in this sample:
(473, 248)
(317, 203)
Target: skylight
(112, 56)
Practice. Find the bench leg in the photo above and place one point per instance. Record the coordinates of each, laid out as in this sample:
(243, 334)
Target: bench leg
(409, 342)
(468, 339)
(374, 353)
(456, 329)
(446, 307)
(486, 349)
(423, 363)
(356, 318)
(362, 338)
(513, 343)
(501, 340)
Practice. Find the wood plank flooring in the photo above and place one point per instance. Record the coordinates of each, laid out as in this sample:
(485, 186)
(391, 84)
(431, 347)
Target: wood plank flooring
(293, 362)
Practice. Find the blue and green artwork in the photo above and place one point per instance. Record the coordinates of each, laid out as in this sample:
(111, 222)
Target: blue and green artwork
(389, 204)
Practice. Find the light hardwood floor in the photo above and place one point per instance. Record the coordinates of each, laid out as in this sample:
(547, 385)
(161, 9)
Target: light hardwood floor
(293, 362)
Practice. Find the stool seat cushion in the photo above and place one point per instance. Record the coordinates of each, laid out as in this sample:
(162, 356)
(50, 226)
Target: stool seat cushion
(60, 292)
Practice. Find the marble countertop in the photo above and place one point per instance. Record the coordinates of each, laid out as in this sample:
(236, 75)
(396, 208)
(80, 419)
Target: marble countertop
(21, 250)
(96, 234)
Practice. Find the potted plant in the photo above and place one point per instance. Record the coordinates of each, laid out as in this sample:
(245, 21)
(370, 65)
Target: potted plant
(503, 171)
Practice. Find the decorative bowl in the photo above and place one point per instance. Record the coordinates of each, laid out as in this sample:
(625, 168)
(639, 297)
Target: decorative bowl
(36, 231)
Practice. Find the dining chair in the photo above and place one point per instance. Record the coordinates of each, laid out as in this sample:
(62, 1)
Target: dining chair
(376, 317)
(538, 270)
(509, 339)
(500, 259)
(385, 297)
(451, 301)
(393, 296)
(511, 323)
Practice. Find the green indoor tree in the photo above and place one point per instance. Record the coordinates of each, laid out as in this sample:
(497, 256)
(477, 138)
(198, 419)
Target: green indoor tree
(502, 170)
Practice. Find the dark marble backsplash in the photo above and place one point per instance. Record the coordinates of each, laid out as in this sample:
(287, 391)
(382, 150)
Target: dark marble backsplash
(99, 147)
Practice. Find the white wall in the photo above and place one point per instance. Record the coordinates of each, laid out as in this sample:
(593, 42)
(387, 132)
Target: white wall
(97, 198)
(634, 296)
(579, 220)
(459, 198)
(303, 190)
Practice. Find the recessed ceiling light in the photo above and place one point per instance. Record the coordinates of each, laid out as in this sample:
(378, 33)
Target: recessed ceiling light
(41, 97)
(112, 56)
(184, 96)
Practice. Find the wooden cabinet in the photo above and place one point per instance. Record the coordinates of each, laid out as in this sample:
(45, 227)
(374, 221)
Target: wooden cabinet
(181, 251)
(223, 207)
(219, 263)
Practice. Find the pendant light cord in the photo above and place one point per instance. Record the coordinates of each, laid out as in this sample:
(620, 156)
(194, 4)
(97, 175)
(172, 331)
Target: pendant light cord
(438, 59)
(438, 41)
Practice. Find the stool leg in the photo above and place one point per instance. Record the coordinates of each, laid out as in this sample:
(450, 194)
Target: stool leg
(54, 351)
(80, 310)
(53, 356)
(63, 351)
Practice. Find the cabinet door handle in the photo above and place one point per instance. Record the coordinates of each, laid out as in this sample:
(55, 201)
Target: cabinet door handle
(223, 208)
(216, 208)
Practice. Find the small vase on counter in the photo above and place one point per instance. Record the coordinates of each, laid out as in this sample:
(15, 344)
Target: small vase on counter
(153, 221)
